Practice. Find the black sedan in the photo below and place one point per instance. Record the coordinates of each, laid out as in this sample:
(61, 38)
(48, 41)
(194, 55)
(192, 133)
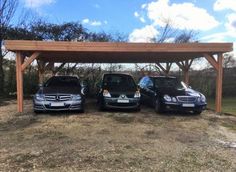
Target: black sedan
(60, 93)
(167, 93)
(118, 91)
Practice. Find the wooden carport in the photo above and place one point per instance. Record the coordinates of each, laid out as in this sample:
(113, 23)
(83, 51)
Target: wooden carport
(47, 53)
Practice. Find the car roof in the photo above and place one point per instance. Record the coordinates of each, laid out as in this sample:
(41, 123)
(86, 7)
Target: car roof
(171, 77)
(117, 74)
(65, 76)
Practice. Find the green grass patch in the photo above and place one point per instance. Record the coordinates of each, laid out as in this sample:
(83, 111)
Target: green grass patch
(228, 105)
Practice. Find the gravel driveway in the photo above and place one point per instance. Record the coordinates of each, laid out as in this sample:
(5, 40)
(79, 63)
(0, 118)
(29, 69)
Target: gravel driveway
(115, 141)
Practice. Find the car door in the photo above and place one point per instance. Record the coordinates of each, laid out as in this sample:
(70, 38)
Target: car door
(142, 85)
(146, 86)
(150, 91)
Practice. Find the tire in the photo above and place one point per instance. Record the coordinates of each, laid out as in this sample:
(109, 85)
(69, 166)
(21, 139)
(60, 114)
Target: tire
(137, 109)
(197, 112)
(36, 112)
(101, 106)
(81, 111)
(157, 106)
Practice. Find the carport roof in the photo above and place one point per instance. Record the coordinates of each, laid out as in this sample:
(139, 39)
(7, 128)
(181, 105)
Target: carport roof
(107, 52)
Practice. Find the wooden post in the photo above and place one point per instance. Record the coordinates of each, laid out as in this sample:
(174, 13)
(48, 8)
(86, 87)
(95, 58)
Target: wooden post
(219, 81)
(218, 66)
(186, 76)
(41, 69)
(19, 81)
(185, 66)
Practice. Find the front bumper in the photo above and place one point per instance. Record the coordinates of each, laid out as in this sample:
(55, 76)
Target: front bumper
(58, 105)
(184, 106)
(116, 103)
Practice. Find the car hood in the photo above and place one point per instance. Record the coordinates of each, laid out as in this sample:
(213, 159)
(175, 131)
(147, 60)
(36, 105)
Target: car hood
(59, 90)
(121, 89)
(173, 92)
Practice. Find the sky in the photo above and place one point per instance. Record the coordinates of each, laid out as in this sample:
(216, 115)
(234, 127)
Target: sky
(141, 20)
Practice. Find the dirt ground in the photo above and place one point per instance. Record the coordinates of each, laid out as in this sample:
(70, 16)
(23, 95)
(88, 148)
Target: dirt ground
(115, 141)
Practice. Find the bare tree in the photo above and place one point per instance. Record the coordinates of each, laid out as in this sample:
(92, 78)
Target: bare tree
(229, 61)
(7, 10)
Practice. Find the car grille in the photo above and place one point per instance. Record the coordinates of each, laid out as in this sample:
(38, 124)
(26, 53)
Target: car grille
(59, 107)
(118, 95)
(58, 97)
(187, 99)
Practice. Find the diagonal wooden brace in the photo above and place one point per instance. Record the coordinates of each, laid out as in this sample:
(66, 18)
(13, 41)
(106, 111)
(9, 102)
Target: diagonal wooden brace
(212, 61)
(34, 56)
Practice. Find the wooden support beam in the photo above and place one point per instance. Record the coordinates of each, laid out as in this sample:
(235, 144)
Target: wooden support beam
(58, 69)
(165, 70)
(181, 66)
(41, 70)
(185, 66)
(219, 81)
(218, 66)
(19, 81)
(211, 60)
(29, 60)
(74, 66)
(49, 66)
(186, 77)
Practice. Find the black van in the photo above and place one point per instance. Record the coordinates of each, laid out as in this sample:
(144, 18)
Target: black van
(165, 93)
(118, 91)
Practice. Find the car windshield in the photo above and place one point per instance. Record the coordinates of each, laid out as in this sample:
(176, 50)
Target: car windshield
(62, 82)
(119, 82)
(169, 83)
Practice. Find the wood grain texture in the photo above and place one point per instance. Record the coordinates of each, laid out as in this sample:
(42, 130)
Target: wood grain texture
(107, 52)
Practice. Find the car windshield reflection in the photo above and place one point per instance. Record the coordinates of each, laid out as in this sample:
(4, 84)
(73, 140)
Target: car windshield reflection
(169, 83)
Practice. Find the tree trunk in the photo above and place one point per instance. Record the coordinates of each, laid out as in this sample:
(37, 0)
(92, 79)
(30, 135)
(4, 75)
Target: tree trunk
(1, 71)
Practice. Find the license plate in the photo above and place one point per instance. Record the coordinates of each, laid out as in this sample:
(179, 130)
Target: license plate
(57, 104)
(188, 105)
(122, 101)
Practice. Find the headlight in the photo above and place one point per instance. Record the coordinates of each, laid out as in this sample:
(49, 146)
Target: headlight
(137, 94)
(106, 93)
(83, 91)
(167, 98)
(76, 97)
(174, 99)
(39, 97)
(203, 98)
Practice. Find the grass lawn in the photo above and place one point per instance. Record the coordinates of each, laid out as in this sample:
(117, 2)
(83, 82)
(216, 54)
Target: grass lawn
(229, 105)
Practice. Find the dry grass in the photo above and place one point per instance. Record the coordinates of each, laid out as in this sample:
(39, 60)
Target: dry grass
(115, 141)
